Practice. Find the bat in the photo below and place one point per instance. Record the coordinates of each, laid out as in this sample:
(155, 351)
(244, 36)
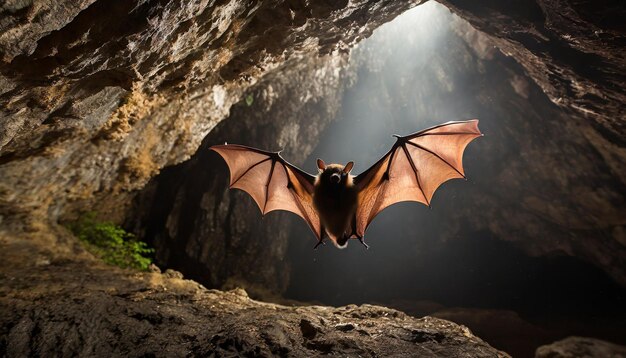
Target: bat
(340, 205)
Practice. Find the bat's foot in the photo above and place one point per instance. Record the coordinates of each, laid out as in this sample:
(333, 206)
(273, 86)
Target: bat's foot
(363, 242)
(321, 242)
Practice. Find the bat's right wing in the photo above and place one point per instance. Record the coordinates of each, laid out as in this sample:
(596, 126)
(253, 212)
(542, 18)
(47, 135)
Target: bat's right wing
(273, 183)
(413, 169)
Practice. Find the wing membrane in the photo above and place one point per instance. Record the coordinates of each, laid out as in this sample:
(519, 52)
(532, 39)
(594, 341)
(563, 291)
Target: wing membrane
(271, 181)
(414, 168)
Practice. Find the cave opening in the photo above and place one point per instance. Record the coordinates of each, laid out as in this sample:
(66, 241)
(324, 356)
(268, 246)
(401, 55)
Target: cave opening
(427, 67)
(491, 253)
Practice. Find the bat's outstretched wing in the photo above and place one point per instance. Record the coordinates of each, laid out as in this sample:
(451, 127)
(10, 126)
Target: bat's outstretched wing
(413, 169)
(273, 183)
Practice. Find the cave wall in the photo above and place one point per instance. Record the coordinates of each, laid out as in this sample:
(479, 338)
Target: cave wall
(97, 96)
(535, 155)
(535, 179)
(573, 51)
(217, 236)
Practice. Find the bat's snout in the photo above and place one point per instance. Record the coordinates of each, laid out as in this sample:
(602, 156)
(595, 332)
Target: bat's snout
(335, 178)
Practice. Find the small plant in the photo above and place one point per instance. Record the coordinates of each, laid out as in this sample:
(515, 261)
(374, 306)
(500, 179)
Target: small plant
(111, 243)
(249, 100)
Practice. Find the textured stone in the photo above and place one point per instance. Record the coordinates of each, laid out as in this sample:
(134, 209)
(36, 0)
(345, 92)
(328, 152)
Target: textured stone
(574, 52)
(217, 236)
(543, 184)
(581, 347)
(572, 49)
(97, 97)
(76, 306)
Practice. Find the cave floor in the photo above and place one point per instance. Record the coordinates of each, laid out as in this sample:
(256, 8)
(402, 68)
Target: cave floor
(57, 300)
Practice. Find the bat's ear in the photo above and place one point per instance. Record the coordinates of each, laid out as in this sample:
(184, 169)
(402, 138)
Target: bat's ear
(348, 167)
(321, 165)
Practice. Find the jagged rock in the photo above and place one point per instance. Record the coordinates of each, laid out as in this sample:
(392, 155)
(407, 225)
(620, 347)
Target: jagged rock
(581, 347)
(571, 49)
(519, 334)
(97, 96)
(503, 329)
(308, 329)
(76, 306)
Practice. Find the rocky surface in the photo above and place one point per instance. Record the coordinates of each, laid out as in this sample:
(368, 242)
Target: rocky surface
(523, 174)
(503, 327)
(64, 303)
(572, 49)
(215, 235)
(97, 96)
(581, 347)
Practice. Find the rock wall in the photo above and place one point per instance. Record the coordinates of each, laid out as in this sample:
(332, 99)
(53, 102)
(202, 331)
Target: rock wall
(97, 96)
(580, 347)
(538, 179)
(573, 51)
(217, 236)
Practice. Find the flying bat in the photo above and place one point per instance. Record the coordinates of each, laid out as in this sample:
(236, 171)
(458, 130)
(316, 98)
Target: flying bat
(339, 204)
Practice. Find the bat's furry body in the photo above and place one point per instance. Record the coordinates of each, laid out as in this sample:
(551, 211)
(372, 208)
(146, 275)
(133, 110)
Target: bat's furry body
(336, 202)
(339, 204)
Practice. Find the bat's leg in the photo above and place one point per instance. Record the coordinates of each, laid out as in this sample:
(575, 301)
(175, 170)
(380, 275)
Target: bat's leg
(321, 240)
(360, 238)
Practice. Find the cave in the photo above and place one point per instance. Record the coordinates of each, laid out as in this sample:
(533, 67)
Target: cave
(110, 110)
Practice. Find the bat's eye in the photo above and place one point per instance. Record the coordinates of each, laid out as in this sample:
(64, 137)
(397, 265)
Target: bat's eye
(335, 178)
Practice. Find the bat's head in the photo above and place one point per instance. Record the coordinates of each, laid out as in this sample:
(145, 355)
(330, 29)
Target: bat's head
(334, 174)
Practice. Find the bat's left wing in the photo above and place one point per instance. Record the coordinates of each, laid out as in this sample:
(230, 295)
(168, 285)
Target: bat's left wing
(273, 183)
(413, 169)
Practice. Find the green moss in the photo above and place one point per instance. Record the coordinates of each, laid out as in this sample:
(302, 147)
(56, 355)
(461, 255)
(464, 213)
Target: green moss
(111, 243)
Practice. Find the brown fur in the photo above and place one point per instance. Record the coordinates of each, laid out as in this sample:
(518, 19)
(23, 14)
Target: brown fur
(336, 203)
